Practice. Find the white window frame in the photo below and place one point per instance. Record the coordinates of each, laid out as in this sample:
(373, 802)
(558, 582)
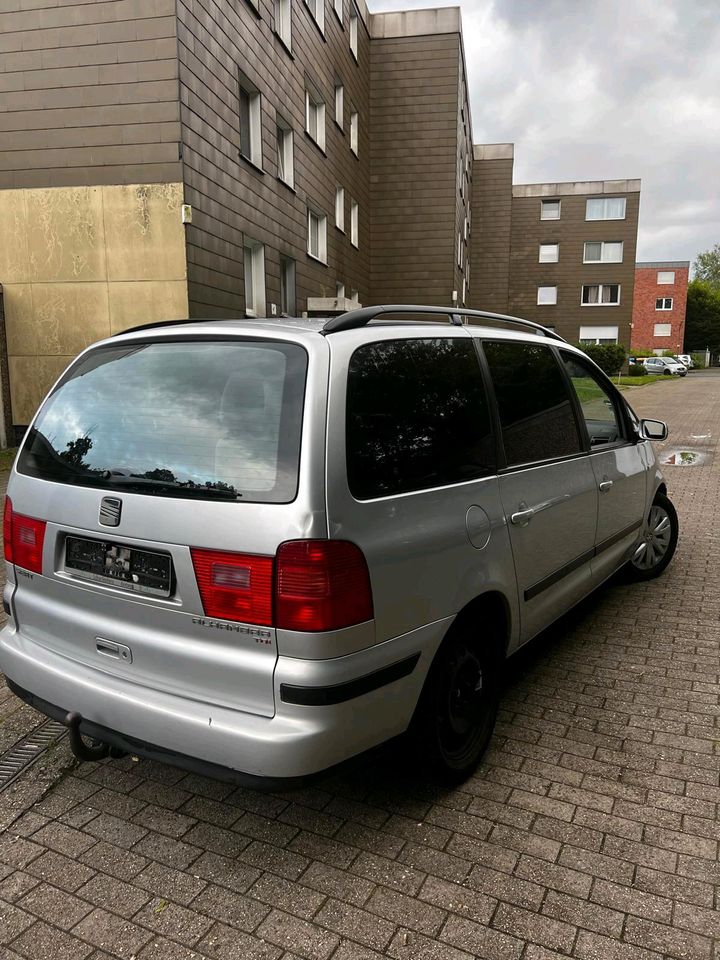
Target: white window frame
(596, 334)
(355, 132)
(285, 152)
(340, 208)
(355, 223)
(541, 302)
(317, 9)
(664, 274)
(314, 101)
(667, 327)
(321, 253)
(603, 245)
(283, 21)
(613, 303)
(254, 132)
(254, 266)
(353, 33)
(666, 303)
(287, 286)
(338, 8)
(605, 201)
(554, 248)
(545, 206)
(339, 104)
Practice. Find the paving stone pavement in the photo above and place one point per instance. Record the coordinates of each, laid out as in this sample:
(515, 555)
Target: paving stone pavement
(591, 829)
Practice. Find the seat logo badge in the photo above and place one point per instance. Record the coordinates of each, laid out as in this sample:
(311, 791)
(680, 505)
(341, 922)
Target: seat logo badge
(110, 509)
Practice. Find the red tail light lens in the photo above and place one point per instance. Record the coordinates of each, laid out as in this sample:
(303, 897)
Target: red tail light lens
(23, 539)
(321, 585)
(235, 586)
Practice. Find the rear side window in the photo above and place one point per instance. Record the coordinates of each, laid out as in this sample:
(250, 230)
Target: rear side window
(536, 412)
(417, 417)
(207, 420)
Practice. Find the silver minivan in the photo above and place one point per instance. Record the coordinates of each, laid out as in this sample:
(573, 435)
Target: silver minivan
(257, 549)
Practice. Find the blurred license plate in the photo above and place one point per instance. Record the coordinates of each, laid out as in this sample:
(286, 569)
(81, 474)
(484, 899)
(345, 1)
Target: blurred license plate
(119, 565)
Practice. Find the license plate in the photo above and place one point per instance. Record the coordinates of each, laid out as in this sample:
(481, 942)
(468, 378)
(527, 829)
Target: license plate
(117, 565)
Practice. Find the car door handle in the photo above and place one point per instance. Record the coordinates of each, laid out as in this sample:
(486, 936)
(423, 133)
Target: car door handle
(522, 516)
(605, 486)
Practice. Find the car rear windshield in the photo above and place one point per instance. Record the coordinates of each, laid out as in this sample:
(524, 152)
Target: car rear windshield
(210, 420)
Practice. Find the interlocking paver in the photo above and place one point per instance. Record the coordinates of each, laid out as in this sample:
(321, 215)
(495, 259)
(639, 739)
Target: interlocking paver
(589, 831)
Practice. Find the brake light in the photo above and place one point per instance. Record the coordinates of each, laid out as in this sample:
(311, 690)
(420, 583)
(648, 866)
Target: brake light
(235, 586)
(321, 585)
(23, 539)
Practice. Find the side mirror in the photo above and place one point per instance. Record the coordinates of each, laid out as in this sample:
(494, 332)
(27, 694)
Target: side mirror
(653, 430)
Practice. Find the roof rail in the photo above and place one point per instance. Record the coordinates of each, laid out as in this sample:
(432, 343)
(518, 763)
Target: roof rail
(360, 318)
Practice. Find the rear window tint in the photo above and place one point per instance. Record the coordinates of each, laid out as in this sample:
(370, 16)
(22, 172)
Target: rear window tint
(536, 413)
(209, 420)
(417, 417)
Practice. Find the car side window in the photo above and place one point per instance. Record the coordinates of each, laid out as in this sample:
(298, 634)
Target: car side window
(535, 407)
(598, 407)
(417, 417)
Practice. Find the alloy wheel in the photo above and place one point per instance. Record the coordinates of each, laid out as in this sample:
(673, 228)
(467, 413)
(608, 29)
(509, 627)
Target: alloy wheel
(655, 543)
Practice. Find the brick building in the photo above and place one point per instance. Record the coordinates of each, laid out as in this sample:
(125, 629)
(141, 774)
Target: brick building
(168, 158)
(658, 319)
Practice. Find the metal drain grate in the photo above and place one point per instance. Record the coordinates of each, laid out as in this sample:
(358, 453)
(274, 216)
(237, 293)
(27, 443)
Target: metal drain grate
(26, 751)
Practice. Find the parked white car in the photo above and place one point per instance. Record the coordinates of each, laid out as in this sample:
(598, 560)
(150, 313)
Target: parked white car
(665, 366)
(686, 360)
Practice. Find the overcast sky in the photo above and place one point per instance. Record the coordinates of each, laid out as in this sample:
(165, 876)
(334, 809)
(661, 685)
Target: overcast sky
(604, 90)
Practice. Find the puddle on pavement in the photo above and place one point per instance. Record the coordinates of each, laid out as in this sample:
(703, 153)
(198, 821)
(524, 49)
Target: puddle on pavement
(683, 458)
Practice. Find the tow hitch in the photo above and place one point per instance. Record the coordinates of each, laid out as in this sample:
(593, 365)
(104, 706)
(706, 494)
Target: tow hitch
(83, 751)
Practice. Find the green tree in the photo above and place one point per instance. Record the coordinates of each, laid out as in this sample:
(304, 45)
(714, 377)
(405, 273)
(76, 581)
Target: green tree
(702, 323)
(707, 266)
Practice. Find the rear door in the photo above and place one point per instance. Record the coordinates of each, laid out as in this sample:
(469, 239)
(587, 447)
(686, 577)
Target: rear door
(618, 465)
(547, 483)
(167, 472)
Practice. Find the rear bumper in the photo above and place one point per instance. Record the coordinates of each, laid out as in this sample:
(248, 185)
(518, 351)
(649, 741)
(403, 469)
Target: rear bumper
(348, 705)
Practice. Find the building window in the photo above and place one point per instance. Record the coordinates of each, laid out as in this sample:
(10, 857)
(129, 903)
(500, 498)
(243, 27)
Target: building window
(600, 295)
(250, 123)
(603, 252)
(340, 208)
(354, 132)
(664, 303)
(337, 7)
(605, 208)
(663, 330)
(666, 276)
(598, 335)
(547, 296)
(317, 235)
(287, 287)
(285, 152)
(317, 9)
(254, 256)
(340, 291)
(549, 209)
(354, 223)
(339, 104)
(315, 116)
(549, 253)
(354, 34)
(283, 21)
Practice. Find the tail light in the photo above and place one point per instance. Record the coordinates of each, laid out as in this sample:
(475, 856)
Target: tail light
(235, 586)
(318, 585)
(23, 539)
(321, 585)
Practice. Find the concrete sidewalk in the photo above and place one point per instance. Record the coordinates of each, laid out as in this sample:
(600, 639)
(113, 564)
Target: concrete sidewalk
(590, 831)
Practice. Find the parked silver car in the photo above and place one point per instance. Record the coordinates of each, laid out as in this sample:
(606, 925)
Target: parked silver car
(256, 549)
(665, 366)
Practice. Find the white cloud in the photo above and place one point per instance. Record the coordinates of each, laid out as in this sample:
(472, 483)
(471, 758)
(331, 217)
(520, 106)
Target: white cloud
(621, 88)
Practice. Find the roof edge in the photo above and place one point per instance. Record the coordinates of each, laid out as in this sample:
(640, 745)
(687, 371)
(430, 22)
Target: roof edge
(575, 188)
(414, 23)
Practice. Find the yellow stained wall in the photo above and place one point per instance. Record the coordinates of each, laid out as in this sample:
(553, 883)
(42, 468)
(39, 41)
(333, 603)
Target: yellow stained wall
(80, 263)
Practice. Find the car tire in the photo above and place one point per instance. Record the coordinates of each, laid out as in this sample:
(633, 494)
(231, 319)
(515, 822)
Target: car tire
(657, 547)
(667, 373)
(456, 714)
